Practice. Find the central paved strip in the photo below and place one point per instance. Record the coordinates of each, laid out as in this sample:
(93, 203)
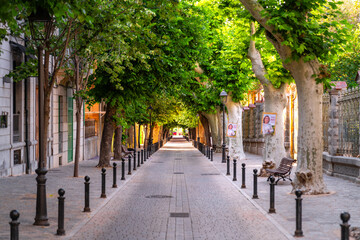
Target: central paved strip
(179, 195)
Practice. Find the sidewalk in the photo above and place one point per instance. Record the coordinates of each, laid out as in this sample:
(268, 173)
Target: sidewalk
(20, 193)
(218, 208)
(320, 213)
(179, 195)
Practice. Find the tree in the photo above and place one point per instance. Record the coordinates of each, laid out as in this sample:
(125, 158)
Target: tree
(302, 39)
(274, 83)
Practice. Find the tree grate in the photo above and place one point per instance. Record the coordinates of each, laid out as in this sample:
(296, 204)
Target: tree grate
(158, 196)
(180, 215)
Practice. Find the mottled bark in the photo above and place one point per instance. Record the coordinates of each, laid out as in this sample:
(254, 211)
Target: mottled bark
(78, 137)
(205, 123)
(309, 175)
(117, 143)
(236, 149)
(275, 102)
(107, 136)
(215, 128)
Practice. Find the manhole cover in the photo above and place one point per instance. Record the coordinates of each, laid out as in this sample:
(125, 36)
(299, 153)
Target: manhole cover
(209, 174)
(158, 196)
(180, 215)
(178, 173)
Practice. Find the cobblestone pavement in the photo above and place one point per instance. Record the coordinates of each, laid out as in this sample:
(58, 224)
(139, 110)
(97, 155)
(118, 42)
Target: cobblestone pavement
(179, 195)
(321, 213)
(154, 201)
(20, 193)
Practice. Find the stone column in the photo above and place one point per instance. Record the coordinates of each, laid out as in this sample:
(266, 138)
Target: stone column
(333, 138)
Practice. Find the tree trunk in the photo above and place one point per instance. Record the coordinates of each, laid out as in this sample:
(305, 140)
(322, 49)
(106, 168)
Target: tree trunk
(205, 123)
(130, 139)
(117, 143)
(275, 102)
(236, 150)
(46, 125)
(139, 136)
(309, 171)
(107, 136)
(78, 137)
(146, 139)
(216, 130)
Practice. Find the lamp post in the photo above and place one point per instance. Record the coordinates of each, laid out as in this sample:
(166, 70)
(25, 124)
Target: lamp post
(41, 27)
(223, 96)
(150, 108)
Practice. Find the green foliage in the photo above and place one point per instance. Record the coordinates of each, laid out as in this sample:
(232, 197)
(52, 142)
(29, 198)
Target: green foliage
(307, 27)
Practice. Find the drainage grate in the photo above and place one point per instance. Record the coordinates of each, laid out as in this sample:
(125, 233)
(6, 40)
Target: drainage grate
(178, 173)
(180, 215)
(209, 174)
(158, 196)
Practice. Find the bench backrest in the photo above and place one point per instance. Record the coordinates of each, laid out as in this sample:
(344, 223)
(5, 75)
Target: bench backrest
(285, 164)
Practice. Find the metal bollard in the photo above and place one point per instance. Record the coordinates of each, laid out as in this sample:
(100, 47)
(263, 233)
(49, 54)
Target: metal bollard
(228, 165)
(129, 165)
(14, 225)
(134, 168)
(234, 178)
(61, 215)
(138, 159)
(211, 154)
(87, 194)
(103, 179)
(272, 195)
(114, 176)
(122, 169)
(345, 217)
(255, 195)
(142, 156)
(298, 199)
(208, 152)
(243, 176)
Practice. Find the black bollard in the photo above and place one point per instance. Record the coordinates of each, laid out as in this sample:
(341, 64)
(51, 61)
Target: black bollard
(103, 179)
(122, 169)
(138, 159)
(345, 217)
(208, 152)
(298, 199)
(129, 165)
(272, 195)
(243, 176)
(87, 194)
(255, 195)
(114, 176)
(234, 177)
(134, 168)
(14, 225)
(227, 165)
(211, 154)
(142, 156)
(61, 213)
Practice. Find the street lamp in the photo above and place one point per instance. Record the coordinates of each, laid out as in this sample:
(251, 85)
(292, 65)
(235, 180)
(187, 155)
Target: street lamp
(150, 108)
(223, 97)
(40, 24)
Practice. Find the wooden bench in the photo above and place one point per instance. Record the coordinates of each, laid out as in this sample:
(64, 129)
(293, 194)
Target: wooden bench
(283, 171)
(126, 151)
